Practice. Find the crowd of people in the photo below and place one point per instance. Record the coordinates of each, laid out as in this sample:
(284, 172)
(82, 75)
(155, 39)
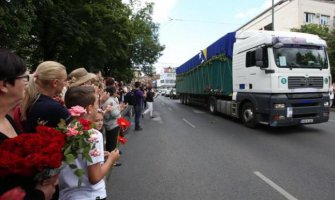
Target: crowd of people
(44, 96)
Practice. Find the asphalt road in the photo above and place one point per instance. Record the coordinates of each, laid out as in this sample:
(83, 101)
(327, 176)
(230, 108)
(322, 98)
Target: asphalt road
(185, 153)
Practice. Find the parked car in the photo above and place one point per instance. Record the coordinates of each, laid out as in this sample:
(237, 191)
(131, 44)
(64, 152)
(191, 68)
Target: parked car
(163, 92)
(167, 93)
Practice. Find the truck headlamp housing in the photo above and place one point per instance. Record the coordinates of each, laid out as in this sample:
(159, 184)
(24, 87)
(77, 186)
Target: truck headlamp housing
(279, 105)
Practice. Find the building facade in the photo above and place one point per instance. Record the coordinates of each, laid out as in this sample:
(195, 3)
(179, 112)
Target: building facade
(167, 78)
(290, 14)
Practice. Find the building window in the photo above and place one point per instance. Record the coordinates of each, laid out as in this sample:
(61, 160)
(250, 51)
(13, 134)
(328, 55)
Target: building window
(324, 20)
(162, 81)
(309, 17)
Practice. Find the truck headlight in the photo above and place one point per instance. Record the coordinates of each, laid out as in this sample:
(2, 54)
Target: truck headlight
(326, 104)
(279, 105)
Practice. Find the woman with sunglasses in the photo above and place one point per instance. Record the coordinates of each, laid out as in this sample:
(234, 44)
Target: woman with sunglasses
(13, 80)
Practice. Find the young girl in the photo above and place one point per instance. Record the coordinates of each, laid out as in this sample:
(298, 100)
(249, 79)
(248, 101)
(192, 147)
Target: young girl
(99, 120)
(93, 185)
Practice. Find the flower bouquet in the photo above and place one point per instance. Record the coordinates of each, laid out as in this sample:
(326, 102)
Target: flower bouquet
(32, 154)
(80, 140)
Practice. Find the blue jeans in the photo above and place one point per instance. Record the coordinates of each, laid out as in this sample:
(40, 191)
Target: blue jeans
(138, 113)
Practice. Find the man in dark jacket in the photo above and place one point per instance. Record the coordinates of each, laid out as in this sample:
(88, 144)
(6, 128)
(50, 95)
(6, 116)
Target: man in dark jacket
(138, 106)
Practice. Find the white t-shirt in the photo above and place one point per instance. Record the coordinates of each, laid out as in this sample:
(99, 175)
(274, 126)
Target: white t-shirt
(68, 182)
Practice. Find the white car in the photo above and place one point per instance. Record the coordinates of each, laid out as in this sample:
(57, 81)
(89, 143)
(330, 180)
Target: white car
(167, 94)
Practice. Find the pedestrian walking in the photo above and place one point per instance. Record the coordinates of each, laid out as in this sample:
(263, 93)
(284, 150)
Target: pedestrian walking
(150, 102)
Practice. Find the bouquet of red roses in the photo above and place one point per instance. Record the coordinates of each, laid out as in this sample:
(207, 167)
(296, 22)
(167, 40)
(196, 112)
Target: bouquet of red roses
(32, 154)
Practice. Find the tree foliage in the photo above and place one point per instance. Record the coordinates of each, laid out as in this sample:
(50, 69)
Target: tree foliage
(325, 33)
(105, 34)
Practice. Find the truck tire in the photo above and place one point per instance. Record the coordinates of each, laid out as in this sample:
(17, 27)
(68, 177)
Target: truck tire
(248, 115)
(187, 99)
(212, 105)
(181, 98)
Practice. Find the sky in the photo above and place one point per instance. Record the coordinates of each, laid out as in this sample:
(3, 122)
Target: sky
(188, 26)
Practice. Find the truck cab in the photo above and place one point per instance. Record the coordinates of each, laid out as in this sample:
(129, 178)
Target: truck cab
(280, 78)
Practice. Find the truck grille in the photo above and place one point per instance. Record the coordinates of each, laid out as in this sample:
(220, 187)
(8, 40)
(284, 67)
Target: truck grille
(305, 82)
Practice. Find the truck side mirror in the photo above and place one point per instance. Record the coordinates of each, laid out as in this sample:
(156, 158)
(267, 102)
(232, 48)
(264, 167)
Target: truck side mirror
(259, 58)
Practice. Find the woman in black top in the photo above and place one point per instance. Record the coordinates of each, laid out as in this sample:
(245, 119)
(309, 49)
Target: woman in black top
(39, 104)
(13, 79)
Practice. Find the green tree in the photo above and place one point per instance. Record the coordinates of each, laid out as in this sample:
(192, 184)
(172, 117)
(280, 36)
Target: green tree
(146, 48)
(16, 19)
(106, 34)
(325, 33)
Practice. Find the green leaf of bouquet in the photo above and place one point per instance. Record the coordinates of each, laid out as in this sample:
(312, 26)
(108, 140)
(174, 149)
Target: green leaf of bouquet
(73, 166)
(87, 149)
(87, 157)
(79, 172)
(69, 158)
(81, 144)
(67, 150)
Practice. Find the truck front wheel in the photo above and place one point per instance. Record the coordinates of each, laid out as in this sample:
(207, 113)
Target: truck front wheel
(248, 115)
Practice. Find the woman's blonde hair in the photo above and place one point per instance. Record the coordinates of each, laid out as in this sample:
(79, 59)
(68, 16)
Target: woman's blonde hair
(44, 73)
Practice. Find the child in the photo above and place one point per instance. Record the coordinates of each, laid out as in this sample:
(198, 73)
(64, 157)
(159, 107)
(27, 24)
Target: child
(99, 120)
(93, 185)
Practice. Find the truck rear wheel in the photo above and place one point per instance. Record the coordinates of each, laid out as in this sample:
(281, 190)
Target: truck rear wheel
(212, 105)
(248, 115)
(181, 98)
(187, 99)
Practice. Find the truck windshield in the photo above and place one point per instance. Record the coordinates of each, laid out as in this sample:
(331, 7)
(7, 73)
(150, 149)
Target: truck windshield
(301, 56)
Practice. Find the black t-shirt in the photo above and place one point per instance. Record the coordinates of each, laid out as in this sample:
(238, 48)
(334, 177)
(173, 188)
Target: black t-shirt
(47, 110)
(150, 96)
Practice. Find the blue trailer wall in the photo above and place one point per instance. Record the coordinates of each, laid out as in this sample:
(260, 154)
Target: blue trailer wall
(224, 45)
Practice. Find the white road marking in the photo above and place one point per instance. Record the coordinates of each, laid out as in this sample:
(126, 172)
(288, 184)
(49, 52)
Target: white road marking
(170, 109)
(189, 123)
(275, 186)
(198, 111)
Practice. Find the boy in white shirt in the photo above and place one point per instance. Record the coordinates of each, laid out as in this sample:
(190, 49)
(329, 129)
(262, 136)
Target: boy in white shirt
(93, 185)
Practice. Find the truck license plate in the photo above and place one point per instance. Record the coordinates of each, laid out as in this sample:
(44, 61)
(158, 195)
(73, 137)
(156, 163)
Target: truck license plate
(306, 121)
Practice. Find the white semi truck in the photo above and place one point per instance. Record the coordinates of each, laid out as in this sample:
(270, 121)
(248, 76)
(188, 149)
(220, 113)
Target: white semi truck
(261, 77)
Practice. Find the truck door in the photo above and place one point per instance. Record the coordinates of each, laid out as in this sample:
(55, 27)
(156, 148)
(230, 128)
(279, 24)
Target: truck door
(258, 77)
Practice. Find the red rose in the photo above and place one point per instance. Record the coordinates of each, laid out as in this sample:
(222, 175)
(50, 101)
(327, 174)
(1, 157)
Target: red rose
(87, 125)
(123, 123)
(13, 194)
(122, 140)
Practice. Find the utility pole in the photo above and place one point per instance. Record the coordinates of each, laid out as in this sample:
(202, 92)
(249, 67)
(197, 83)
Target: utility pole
(273, 15)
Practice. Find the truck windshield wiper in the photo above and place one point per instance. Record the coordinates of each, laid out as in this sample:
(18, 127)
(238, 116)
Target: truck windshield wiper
(293, 66)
